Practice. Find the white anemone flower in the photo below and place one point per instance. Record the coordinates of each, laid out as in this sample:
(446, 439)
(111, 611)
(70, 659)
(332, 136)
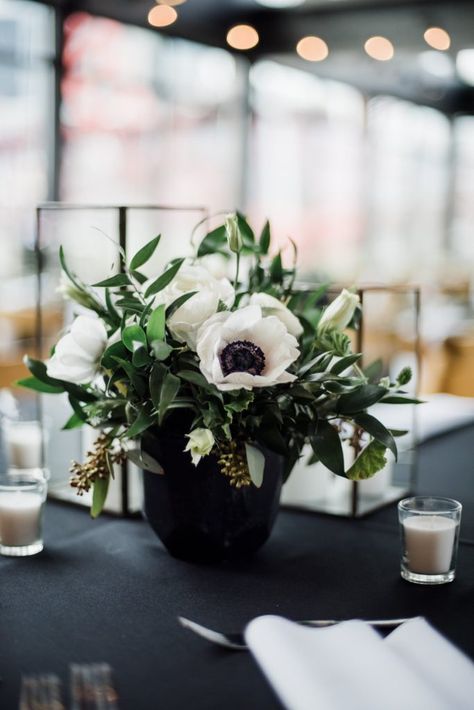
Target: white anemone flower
(188, 318)
(271, 306)
(245, 349)
(77, 355)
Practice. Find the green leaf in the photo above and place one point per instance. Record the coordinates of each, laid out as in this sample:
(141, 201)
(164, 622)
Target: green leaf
(336, 342)
(142, 422)
(246, 231)
(396, 399)
(344, 363)
(398, 432)
(144, 461)
(155, 383)
(376, 429)
(276, 269)
(129, 302)
(99, 494)
(162, 281)
(111, 308)
(33, 383)
(117, 280)
(326, 444)
(269, 433)
(169, 390)
(178, 302)
(360, 399)
(70, 274)
(404, 376)
(371, 460)
(374, 371)
(265, 237)
(133, 336)
(155, 329)
(145, 253)
(138, 276)
(255, 463)
(140, 357)
(196, 378)
(214, 242)
(114, 351)
(137, 382)
(77, 409)
(74, 422)
(161, 350)
(39, 370)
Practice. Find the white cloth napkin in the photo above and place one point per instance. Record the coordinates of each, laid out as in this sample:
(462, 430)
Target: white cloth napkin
(349, 666)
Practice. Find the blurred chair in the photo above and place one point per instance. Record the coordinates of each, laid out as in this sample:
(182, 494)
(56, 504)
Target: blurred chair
(458, 375)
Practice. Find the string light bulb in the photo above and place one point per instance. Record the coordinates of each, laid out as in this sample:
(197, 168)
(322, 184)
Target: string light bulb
(379, 48)
(313, 49)
(242, 37)
(162, 16)
(437, 38)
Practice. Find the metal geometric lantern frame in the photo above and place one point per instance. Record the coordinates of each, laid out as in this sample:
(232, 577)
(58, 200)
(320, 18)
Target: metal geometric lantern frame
(115, 228)
(314, 488)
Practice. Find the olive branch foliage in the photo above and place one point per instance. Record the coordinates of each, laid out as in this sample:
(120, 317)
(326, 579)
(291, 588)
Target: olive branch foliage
(148, 375)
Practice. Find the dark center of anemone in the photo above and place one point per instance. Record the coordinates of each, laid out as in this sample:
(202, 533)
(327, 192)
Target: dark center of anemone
(242, 356)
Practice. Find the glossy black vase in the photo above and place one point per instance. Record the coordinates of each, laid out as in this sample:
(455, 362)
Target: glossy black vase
(197, 514)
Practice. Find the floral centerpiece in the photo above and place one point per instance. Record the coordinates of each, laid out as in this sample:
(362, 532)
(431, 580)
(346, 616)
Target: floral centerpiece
(243, 370)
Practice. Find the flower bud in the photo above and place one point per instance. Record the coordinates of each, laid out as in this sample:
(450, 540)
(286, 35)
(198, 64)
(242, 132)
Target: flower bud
(201, 442)
(234, 237)
(70, 292)
(339, 313)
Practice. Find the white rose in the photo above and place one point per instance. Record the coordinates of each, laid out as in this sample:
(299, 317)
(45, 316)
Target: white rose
(187, 319)
(339, 313)
(201, 442)
(271, 306)
(244, 349)
(77, 355)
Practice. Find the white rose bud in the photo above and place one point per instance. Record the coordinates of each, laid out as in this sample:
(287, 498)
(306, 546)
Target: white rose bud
(201, 442)
(234, 237)
(339, 313)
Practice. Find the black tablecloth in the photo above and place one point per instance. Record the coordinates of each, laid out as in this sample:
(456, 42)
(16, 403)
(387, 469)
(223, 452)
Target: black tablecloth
(107, 591)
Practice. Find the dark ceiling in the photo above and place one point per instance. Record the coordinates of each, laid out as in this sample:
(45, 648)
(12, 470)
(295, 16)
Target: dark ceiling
(343, 24)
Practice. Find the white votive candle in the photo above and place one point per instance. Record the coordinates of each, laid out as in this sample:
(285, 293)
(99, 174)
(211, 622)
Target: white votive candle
(429, 541)
(20, 518)
(24, 444)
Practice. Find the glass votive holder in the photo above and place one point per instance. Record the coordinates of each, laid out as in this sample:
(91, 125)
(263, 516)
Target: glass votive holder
(22, 497)
(429, 528)
(24, 443)
(37, 473)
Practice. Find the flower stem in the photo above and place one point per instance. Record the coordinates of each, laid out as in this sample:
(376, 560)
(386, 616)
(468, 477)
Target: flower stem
(237, 267)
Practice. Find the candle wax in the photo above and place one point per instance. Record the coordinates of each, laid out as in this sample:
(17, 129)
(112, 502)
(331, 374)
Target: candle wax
(24, 445)
(429, 541)
(19, 518)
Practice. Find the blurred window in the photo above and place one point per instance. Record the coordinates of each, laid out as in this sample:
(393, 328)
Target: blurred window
(147, 118)
(26, 124)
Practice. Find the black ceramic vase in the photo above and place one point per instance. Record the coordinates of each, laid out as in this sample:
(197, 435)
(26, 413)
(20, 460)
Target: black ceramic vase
(194, 510)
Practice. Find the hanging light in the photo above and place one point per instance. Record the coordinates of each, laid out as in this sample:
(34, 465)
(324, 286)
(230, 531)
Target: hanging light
(242, 37)
(171, 3)
(162, 16)
(437, 38)
(379, 48)
(313, 49)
